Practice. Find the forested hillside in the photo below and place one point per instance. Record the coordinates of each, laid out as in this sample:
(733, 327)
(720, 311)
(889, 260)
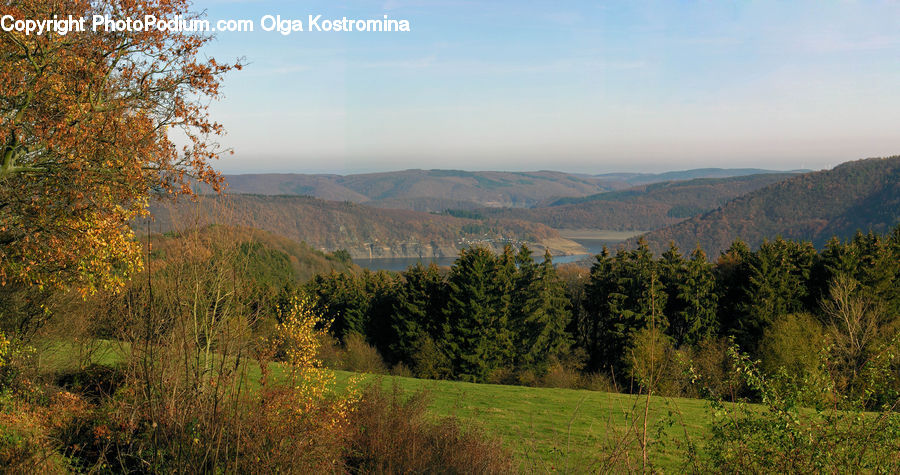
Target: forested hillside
(631, 179)
(437, 190)
(406, 188)
(640, 208)
(859, 195)
(361, 230)
(273, 259)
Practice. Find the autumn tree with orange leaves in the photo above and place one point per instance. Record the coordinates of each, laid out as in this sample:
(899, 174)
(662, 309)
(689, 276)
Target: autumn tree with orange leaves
(85, 124)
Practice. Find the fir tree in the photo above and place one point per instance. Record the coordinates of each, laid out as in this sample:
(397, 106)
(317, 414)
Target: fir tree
(778, 284)
(541, 314)
(342, 299)
(417, 311)
(626, 295)
(695, 320)
(476, 331)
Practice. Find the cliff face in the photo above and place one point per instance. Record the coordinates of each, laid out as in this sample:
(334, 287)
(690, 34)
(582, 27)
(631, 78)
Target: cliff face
(365, 232)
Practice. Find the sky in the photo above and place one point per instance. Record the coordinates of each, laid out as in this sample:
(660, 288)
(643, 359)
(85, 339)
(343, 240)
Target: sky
(578, 86)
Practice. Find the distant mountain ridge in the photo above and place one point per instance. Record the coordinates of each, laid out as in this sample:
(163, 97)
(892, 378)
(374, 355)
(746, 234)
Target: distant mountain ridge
(859, 195)
(436, 190)
(639, 208)
(439, 187)
(364, 231)
(647, 178)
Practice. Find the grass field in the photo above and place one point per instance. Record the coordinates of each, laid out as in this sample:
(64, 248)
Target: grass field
(547, 428)
(552, 428)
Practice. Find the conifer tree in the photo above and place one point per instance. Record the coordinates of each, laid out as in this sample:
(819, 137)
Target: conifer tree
(627, 294)
(417, 311)
(696, 318)
(342, 299)
(476, 331)
(595, 328)
(541, 313)
(672, 273)
(731, 274)
(778, 284)
(380, 288)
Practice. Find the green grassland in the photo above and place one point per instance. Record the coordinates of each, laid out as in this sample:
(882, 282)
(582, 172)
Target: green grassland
(552, 428)
(547, 428)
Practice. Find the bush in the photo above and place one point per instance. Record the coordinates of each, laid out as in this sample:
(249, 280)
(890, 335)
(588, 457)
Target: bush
(784, 437)
(429, 361)
(401, 370)
(559, 375)
(330, 352)
(354, 355)
(394, 434)
(28, 434)
(655, 365)
(793, 342)
(712, 371)
(361, 357)
(94, 383)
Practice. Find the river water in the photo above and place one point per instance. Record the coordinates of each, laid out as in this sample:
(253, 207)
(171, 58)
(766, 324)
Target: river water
(593, 246)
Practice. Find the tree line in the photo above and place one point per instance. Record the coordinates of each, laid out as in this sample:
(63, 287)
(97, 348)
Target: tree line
(507, 312)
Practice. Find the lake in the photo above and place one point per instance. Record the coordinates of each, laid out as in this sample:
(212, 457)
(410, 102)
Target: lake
(593, 246)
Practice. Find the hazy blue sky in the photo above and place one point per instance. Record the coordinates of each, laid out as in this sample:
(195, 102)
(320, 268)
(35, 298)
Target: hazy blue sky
(584, 86)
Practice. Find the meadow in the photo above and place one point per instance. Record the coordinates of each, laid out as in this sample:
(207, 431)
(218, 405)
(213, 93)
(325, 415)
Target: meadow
(548, 429)
(557, 429)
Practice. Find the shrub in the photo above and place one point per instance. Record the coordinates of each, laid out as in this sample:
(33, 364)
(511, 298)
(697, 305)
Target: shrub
(793, 342)
(711, 371)
(784, 437)
(505, 375)
(558, 376)
(361, 357)
(394, 434)
(429, 361)
(94, 382)
(791, 347)
(330, 351)
(401, 370)
(655, 365)
(26, 442)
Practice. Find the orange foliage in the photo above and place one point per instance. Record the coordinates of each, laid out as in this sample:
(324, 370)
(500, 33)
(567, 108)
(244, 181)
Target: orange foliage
(84, 138)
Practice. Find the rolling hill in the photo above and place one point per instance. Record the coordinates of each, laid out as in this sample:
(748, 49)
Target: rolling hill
(364, 231)
(860, 195)
(644, 207)
(681, 175)
(437, 190)
(269, 254)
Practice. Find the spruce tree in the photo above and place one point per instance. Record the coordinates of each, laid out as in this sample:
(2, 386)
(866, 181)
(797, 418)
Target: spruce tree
(476, 332)
(696, 319)
(778, 284)
(541, 314)
(626, 295)
(342, 299)
(596, 328)
(380, 287)
(732, 277)
(417, 311)
(672, 274)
